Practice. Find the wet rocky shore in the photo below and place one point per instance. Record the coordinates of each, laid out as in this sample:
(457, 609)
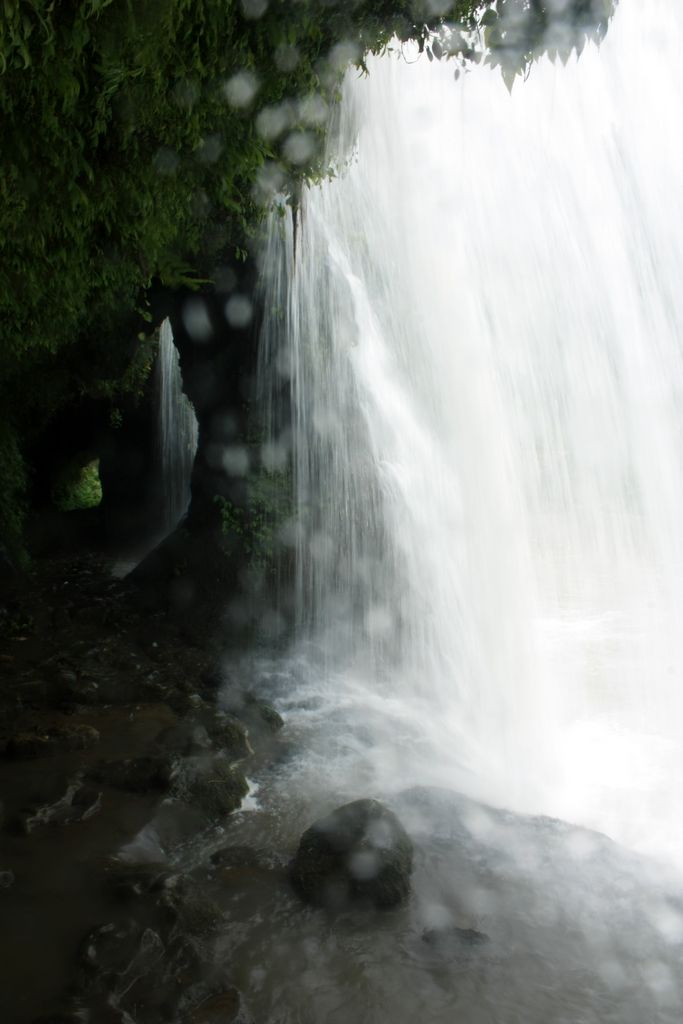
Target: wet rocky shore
(110, 730)
(161, 823)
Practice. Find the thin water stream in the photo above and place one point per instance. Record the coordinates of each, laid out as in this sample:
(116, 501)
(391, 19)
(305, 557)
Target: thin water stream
(177, 428)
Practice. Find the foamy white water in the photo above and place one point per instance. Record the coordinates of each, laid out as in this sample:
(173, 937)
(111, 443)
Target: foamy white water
(483, 347)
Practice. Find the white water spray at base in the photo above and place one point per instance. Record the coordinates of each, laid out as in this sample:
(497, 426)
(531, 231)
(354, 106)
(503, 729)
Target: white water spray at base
(484, 351)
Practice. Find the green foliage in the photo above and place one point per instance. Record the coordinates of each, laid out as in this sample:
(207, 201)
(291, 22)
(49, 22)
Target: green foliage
(255, 527)
(516, 32)
(12, 493)
(140, 141)
(78, 487)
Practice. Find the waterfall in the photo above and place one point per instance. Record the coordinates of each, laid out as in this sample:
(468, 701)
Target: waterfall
(177, 432)
(479, 340)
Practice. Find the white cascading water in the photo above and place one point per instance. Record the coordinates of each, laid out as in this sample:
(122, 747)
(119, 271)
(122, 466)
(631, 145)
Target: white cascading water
(484, 350)
(177, 432)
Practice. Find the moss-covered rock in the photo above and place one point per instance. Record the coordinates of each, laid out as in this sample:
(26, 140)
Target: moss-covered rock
(210, 785)
(266, 714)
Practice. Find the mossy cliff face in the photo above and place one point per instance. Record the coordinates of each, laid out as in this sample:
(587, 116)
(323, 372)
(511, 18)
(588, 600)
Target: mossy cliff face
(139, 144)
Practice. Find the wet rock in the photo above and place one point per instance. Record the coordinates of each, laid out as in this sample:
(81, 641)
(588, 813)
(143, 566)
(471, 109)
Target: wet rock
(174, 824)
(183, 702)
(184, 738)
(60, 1018)
(134, 775)
(103, 688)
(190, 909)
(124, 971)
(149, 954)
(6, 879)
(78, 803)
(229, 735)
(454, 938)
(224, 1008)
(185, 963)
(131, 881)
(117, 956)
(260, 717)
(62, 692)
(210, 784)
(61, 616)
(75, 737)
(103, 1011)
(358, 852)
(204, 727)
(239, 857)
(109, 948)
(211, 682)
(28, 745)
(272, 719)
(55, 740)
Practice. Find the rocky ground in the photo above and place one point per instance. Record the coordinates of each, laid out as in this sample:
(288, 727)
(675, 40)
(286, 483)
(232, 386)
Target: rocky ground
(109, 720)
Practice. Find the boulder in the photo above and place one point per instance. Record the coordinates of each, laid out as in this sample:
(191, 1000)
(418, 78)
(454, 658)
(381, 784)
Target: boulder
(358, 852)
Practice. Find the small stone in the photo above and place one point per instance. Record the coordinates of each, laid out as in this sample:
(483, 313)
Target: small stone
(219, 1009)
(6, 879)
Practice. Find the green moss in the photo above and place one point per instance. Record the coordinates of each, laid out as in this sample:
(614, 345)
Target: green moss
(79, 487)
(253, 530)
